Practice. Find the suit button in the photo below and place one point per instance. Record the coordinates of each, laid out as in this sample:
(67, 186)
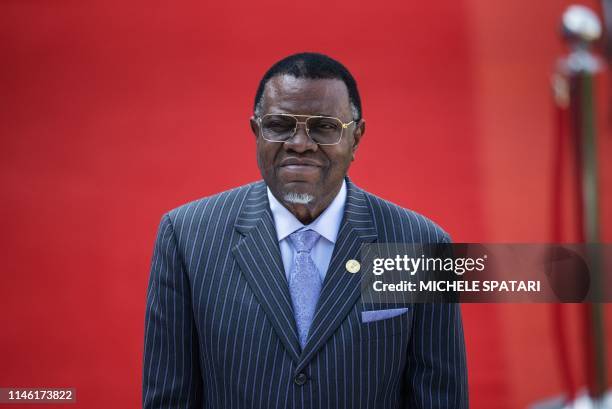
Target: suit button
(300, 379)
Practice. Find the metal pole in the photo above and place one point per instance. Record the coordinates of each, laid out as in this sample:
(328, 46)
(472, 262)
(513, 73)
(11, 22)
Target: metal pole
(581, 28)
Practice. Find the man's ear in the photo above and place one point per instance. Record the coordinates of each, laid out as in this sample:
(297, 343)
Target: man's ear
(254, 126)
(357, 135)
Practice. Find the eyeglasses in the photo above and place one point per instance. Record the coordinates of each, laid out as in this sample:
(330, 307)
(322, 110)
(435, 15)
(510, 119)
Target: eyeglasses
(323, 130)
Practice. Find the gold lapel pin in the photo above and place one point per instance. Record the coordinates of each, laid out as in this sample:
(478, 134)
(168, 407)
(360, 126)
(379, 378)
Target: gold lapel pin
(353, 266)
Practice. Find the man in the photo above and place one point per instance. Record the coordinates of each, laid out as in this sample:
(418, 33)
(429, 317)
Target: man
(250, 304)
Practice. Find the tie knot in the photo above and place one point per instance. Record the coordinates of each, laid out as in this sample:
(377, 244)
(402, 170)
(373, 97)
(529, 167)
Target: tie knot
(304, 240)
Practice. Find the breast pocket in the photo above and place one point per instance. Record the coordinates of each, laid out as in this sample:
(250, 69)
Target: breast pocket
(384, 323)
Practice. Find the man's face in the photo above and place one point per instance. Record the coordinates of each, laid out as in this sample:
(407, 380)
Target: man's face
(305, 176)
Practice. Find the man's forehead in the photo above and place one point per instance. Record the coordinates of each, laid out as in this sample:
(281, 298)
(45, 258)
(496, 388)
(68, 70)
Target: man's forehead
(286, 93)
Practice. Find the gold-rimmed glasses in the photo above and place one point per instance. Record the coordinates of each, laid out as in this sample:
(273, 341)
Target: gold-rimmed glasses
(323, 130)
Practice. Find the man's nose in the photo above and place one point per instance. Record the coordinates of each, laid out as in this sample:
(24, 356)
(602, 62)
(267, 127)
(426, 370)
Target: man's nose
(301, 142)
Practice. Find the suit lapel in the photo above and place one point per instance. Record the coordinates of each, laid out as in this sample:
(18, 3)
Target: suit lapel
(259, 258)
(341, 289)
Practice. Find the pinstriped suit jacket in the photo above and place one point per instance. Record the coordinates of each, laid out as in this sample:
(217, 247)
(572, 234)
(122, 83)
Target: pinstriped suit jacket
(220, 331)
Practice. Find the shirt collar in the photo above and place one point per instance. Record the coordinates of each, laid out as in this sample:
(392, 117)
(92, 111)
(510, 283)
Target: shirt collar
(327, 224)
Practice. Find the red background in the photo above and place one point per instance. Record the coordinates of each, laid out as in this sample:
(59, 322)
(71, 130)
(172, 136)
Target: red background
(113, 112)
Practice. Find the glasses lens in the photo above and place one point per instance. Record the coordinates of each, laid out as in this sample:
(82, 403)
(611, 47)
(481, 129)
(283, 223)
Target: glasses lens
(277, 127)
(324, 130)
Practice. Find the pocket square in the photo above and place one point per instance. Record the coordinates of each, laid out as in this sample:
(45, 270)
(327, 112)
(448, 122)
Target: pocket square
(377, 315)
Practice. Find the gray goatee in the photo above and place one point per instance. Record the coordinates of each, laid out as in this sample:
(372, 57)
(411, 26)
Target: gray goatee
(298, 198)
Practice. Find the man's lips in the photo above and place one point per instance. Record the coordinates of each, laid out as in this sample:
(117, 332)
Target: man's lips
(298, 163)
(296, 169)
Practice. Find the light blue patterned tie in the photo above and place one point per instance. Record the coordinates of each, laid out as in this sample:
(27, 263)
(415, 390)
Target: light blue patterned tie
(304, 282)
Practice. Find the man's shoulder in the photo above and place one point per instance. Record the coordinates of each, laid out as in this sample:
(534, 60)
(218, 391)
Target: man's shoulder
(394, 222)
(228, 203)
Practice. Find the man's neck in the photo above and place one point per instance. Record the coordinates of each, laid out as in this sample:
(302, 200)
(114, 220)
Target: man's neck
(306, 213)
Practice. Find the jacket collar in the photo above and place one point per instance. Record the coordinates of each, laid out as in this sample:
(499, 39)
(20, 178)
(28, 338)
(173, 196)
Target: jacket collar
(259, 258)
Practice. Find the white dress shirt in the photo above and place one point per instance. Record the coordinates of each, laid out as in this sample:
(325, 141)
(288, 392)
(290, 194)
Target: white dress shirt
(327, 224)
